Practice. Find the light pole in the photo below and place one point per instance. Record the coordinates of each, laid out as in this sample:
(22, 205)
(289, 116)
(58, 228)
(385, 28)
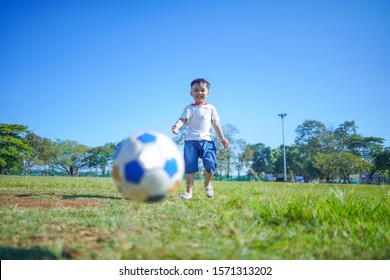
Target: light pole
(282, 115)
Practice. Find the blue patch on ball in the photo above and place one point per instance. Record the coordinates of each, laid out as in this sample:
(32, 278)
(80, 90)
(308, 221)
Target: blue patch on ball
(147, 138)
(171, 167)
(133, 172)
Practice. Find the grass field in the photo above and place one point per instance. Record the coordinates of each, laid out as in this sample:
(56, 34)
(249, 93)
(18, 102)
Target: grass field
(86, 218)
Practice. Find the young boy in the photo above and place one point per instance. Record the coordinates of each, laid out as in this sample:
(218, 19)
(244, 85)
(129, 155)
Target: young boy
(200, 117)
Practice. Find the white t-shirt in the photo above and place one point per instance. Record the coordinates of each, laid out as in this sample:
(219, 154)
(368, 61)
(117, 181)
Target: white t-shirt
(199, 121)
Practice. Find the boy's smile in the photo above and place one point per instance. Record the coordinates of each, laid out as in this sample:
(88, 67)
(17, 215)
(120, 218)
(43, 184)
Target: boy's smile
(199, 92)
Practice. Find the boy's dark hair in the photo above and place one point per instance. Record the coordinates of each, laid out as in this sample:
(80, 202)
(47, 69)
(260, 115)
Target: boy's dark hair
(200, 81)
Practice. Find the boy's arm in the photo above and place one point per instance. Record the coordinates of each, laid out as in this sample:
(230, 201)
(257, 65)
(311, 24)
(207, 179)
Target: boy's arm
(218, 130)
(180, 122)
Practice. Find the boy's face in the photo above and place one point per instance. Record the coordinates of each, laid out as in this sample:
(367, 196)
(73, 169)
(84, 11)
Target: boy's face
(199, 92)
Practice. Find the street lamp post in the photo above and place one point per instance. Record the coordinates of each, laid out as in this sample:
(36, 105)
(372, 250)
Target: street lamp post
(282, 115)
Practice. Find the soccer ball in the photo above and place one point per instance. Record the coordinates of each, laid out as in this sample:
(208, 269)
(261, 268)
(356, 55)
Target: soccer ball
(147, 166)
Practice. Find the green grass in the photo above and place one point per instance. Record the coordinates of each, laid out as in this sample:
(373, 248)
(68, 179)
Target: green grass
(86, 218)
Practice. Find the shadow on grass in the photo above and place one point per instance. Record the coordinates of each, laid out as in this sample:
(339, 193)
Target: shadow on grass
(34, 253)
(90, 196)
(73, 196)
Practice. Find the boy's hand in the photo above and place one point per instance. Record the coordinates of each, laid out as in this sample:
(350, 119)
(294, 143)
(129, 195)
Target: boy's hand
(174, 129)
(225, 142)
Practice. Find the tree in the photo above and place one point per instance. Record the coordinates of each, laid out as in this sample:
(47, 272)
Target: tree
(332, 165)
(348, 163)
(261, 159)
(293, 160)
(348, 140)
(230, 133)
(225, 156)
(13, 146)
(312, 138)
(69, 156)
(42, 151)
(343, 134)
(382, 162)
(244, 156)
(326, 165)
(100, 157)
(365, 147)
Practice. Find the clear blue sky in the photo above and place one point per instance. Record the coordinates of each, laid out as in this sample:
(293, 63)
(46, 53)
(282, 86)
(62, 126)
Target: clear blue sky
(98, 71)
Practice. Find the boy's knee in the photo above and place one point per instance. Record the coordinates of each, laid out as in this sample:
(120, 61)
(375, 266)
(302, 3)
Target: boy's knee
(210, 166)
(191, 168)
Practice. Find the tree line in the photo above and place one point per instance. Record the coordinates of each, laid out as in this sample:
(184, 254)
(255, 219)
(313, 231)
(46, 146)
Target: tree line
(318, 153)
(22, 150)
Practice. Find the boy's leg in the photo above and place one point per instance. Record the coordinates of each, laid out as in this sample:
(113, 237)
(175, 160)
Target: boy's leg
(191, 154)
(190, 178)
(208, 178)
(208, 189)
(210, 164)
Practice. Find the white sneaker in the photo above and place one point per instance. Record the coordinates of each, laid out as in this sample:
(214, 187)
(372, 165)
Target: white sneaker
(186, 195)
(209, 191)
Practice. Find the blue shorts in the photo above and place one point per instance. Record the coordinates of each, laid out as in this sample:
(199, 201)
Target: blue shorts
(206, 150)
